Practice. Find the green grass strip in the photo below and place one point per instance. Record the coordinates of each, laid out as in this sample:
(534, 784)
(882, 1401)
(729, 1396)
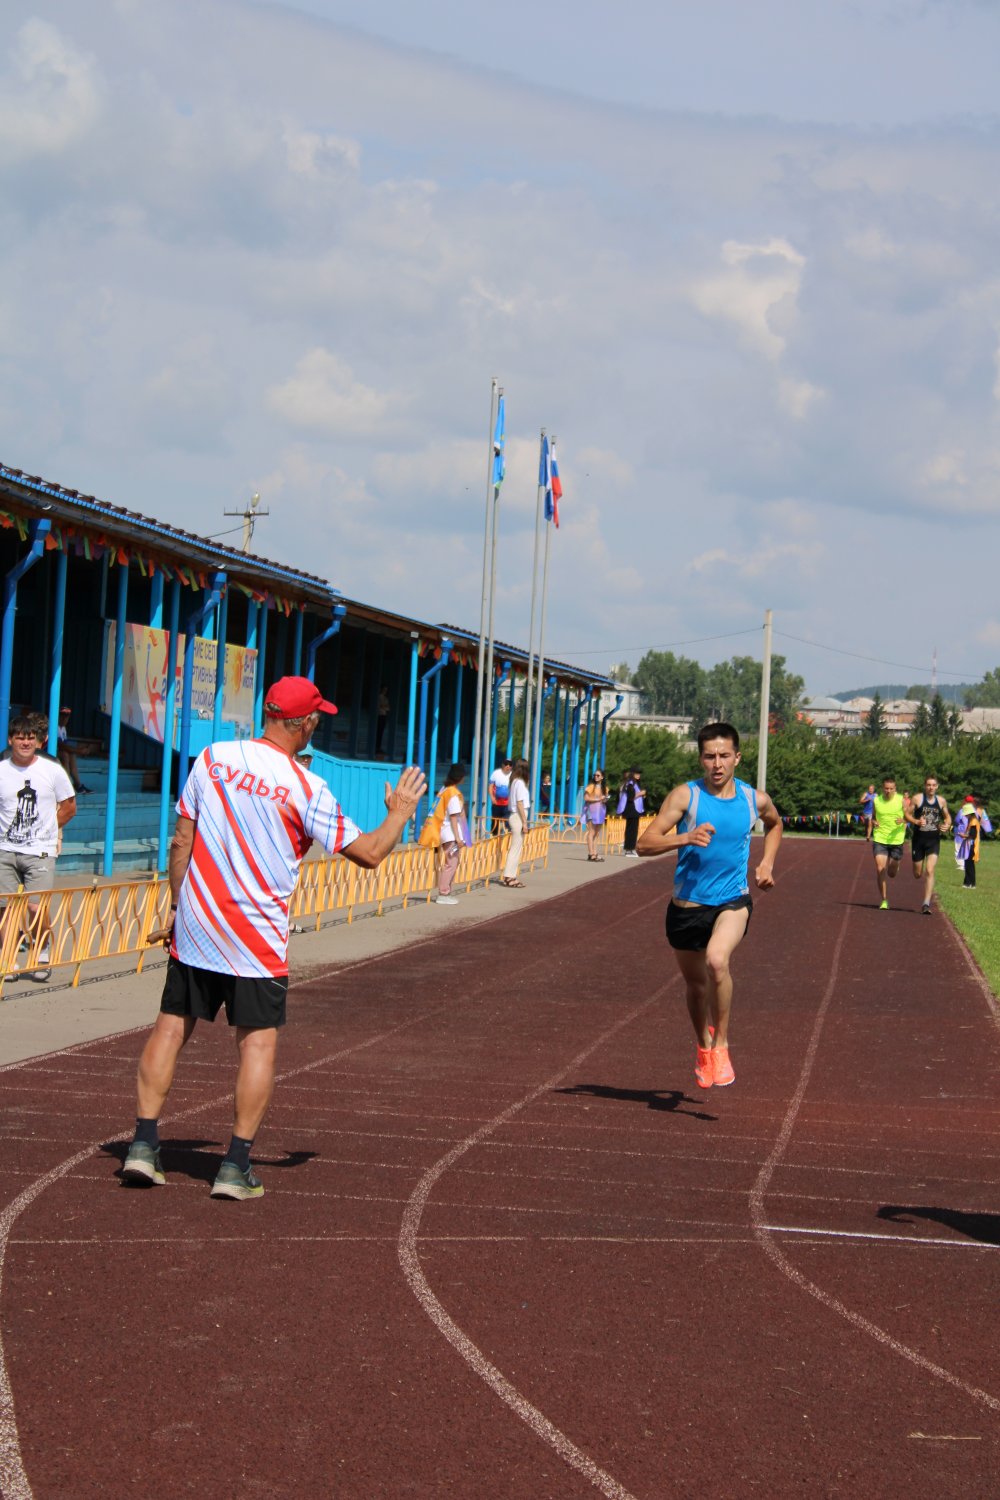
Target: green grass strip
(976, 913)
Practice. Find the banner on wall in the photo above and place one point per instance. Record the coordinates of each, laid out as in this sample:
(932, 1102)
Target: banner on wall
(144, 680)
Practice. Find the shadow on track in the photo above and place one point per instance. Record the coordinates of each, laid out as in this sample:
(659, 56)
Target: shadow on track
(975, 1226)
(191, 1159)
(668, 1099)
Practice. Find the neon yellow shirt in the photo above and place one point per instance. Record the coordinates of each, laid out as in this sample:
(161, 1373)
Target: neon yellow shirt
(887, 810)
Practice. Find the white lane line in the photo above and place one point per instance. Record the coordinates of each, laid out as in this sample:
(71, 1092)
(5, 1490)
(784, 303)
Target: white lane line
(759, 1191)
(907, 1242)
(409, 1260)
(14, 1484)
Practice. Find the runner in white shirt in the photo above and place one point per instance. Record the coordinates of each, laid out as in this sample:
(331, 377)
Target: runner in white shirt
(246, 817)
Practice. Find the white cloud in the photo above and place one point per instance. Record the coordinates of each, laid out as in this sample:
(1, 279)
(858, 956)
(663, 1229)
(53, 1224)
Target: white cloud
(750, 292)
(323, 396)
(49, 96)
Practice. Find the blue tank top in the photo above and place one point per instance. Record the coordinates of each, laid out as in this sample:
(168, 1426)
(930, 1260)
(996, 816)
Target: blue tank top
(717, 874)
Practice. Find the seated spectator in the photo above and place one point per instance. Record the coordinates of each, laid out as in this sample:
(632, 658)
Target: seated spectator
(66, 752)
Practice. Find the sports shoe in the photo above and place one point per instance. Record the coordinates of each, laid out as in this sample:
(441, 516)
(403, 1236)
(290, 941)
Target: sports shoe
(446, 900)
(142, 1165)
(42, 974)
(926, 908)
(631, 854)
(722, 1068)
(704, 1073)
(884, 906)
(232, 1183)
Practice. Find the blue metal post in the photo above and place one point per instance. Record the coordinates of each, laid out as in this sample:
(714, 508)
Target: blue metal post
(58, 631)
(220, 666)
(38, 530)
(536, 771)
(565, 753)
(554, 769)
(195, 618)
(511, 700)
(169, 709)
(339, 614)
(498, 683)
(297, 645)
(156, 601)
(258, 687)
(574, 755)
(114, 741)
(456, 733)
(435, 672)
(619, 700)
(411, 707)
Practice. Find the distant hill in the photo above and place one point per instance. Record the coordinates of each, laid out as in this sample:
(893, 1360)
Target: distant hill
(950, 692)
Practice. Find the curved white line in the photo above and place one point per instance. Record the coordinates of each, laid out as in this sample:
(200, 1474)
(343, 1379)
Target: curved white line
(409, 1260)
(763, 1232)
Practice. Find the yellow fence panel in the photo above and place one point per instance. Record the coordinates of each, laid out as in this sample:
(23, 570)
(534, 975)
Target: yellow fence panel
(65, 929)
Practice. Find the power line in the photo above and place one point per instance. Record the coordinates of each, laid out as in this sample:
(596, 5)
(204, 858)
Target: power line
(667, 646)
(879, 661)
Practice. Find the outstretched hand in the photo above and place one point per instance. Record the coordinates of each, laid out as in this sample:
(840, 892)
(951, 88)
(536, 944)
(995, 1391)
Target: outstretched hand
(408, 791)
(702, 835)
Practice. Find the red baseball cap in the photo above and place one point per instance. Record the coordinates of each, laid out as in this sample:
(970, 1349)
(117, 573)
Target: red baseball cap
(294, 698)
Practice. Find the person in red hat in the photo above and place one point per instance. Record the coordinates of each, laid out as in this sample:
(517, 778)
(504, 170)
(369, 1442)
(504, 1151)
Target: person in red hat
(246, 817)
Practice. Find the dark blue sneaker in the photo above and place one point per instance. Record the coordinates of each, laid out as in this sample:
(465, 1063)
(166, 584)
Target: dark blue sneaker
(142, 1165)
(232, 1183)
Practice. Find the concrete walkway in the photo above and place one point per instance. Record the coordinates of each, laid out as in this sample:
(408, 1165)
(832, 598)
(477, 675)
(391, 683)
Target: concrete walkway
(36, 1019)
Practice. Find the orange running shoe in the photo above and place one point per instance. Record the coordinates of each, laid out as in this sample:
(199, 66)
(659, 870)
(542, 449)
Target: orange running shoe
(722, 1068)
(703, 1069)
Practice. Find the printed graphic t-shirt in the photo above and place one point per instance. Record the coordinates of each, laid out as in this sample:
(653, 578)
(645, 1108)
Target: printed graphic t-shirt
(28, 797)
(257, 811)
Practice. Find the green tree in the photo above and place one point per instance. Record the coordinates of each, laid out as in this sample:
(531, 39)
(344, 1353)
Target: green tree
(985, 694)
(939, 732)
(873, 724)
(921, 721)
(672, 683)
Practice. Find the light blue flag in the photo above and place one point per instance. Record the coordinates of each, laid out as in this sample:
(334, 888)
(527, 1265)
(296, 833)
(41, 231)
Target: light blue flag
(498, 442)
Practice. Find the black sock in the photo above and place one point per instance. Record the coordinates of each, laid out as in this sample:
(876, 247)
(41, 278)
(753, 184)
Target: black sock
(147, 1133)
(239, 1152)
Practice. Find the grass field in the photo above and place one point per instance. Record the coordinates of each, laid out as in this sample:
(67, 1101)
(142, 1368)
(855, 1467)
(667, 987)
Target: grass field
(976, 913)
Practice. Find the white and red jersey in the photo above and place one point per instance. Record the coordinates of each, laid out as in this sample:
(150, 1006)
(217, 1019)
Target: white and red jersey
(256, 812)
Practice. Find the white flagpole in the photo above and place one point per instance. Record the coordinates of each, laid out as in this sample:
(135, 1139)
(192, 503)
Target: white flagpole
(537, 744)
(526, 742)
(765, 706)
(484, 606)
(488, 671)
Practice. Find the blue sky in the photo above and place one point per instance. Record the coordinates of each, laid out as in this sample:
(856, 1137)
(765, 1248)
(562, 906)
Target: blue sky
(742, 260)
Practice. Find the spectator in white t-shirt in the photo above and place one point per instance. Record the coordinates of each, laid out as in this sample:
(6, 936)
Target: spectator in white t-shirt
(518, 818)
(454, 833)
(36, 801)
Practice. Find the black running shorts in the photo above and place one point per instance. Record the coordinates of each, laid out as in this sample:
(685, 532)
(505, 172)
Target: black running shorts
(925, 843)
(690, 927)
(201, 993)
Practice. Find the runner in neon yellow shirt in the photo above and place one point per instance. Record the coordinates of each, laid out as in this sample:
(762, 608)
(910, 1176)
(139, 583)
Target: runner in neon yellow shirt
(888, 837)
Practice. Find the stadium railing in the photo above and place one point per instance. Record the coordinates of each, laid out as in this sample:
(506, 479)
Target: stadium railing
(84, 924)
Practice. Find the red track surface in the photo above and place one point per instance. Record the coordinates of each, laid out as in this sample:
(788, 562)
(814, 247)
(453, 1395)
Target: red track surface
(508, 1248)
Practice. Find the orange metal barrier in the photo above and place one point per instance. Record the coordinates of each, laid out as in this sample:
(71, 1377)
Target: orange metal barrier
(65, 929)
(565, 828)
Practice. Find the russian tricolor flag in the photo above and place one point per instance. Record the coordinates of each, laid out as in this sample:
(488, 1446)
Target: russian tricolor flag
(553, 493)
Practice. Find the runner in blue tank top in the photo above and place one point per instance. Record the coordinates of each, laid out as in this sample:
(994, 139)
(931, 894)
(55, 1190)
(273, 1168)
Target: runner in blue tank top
(711, 904)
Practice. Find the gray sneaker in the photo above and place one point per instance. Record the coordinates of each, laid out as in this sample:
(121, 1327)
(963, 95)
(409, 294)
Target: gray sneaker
(42, 974)
(232, 1183)
(142, 1165)
(446, 900)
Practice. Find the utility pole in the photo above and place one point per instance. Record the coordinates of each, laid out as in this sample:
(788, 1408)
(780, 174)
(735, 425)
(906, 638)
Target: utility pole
(765, 706)
(250, 514)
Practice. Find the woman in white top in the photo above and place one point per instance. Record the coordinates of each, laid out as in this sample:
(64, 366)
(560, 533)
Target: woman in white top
(518, 819)
(454, 834)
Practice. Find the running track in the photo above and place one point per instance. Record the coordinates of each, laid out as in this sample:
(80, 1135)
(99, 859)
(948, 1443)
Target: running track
(508, 1249)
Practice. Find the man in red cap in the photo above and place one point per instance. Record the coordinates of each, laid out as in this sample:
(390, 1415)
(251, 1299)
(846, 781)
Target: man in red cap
(246, 817)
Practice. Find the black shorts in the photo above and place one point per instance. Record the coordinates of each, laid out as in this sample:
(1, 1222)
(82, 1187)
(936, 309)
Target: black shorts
(925, 843)
(201, 993)
(690, 927)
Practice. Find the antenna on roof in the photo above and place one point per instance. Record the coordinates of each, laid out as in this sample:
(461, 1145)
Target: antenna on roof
(249, 514)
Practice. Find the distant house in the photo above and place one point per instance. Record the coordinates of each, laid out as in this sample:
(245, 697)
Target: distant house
(831, 716)
(980, 721)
